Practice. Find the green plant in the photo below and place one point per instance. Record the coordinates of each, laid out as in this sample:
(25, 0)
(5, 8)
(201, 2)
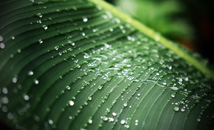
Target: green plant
(162, 16)
(82, 64)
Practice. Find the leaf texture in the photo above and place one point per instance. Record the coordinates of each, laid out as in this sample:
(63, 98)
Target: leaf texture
(74, 65)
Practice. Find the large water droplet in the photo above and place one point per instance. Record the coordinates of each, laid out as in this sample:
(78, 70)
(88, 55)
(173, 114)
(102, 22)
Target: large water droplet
(1, 38)
(30, 73)
(114, 114)
(176, 108)
(26, 97)
(4, 90)
(71, 103)
(5, 100)
(14, 80)
(174, 88)
(2, 45)
(45, 27)
(36, 81)
(85, 19)
(90, 121)
(50, 122)
(122, 122)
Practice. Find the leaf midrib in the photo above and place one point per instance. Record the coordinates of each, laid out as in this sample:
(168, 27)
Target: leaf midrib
(155, 36)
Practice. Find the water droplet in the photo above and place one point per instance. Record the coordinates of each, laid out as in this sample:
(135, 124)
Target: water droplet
(14, 80)
(45, 27)
(73, 44)
(2, 45)
(26, 97)
(1, 38)
(70, 117)
(4, 90)
(122, 122)
(89, 98)
(127, 126)
(173, 95)
(12, 37)
(5, 100)
(19, 50)
(39, 15)
(138, 94)
(71, 103)
(174, 88)
(182, 109)
(50, 122)
(125, 104)
(105, 118)
(36, 81)
(85, 19)
(114, 114)
(176, 108)
(90, 121)
(30, 73)
(111, 119)
(86, 56)
(198, 119)
(40, 41)
(83, 34)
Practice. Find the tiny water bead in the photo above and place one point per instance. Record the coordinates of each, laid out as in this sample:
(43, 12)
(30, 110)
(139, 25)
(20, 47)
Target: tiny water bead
(14, 80)
(30, 73)
(36, 81)
(45, 27)
(176, 108)
(1, 38)
(2, 45)
(90, 121)
(71, 103)
(174, 88)
(40, 41)
(26, 97)
(13, 37)
(122, 122)
(5, 100)
(85, 19)
(114, 114)
(4, 90)
(50, 122)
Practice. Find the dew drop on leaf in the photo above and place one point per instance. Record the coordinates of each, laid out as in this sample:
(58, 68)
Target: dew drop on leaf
(14, 80)
(5, 100)
(122, 122)
(114, 114)
(2, 45)
(125, 104)
(71, 103)
(36, 81)
(50, 122)
(45, 27)
(90, 121)
(12, 37)
(40, 41)
(26, 97)
(85, 19)
(1, 38)
(174, 88)
(176, 108)
(30, 73)
(4, 90)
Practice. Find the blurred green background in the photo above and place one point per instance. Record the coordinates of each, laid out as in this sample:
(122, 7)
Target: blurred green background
(188, 22)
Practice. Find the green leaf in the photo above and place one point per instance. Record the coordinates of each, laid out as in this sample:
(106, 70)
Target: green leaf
(82, 64)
